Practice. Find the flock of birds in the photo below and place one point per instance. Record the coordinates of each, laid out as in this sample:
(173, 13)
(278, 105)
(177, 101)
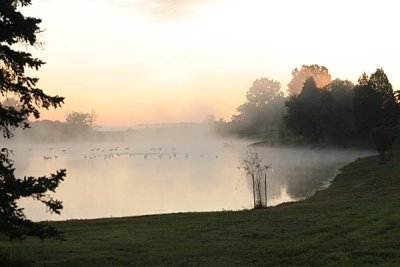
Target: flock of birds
(116, 152)
(52, 155)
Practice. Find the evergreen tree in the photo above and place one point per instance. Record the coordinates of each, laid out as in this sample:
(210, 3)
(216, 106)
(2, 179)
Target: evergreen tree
(16, 29)
(374, 103)
(308, 112)
(388, 108)
(366, 109)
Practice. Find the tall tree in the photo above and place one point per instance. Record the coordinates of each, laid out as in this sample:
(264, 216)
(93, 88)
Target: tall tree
(79, 119)
(303, 109)
(342, 123)
(374, 103)
(16, 29)
(264, 106)
(79, 125)
(388, 108)
(321, 114)
(263, 91)
(366, 109)
(320, 74)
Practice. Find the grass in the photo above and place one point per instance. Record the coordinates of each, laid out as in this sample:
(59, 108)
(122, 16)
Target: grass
(355, 222)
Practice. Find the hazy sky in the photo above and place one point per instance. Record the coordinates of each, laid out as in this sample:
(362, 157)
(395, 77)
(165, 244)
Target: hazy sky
(179, 60)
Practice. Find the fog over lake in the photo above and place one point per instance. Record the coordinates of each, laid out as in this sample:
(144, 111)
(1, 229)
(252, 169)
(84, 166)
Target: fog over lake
(169, 171)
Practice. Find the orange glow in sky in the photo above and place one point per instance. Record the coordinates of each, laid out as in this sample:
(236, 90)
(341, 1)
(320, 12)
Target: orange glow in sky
(174, 60)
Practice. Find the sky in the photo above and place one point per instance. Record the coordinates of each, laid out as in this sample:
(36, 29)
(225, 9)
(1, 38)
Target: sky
(156, 61)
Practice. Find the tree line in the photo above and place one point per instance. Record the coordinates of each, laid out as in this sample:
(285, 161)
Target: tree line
(76, 126)
(319, 109)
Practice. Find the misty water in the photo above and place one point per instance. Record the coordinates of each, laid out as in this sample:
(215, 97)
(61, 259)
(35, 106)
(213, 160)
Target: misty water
(152, 174)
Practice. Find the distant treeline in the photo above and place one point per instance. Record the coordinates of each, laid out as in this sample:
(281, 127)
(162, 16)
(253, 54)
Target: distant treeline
(77, 126)
(81, 130)
(317, 110)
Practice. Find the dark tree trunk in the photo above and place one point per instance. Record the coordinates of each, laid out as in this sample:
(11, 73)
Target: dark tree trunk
(265, 178)
(254, 192)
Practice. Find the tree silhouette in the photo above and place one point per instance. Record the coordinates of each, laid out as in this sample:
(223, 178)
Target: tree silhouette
(384, 139)
(16, 29)
(374, 103)
(308, 111)
(264, 107)
(79, 124)
(320, 74)
(342, 122)
(388, 108)
(79, 119)
(366, 109)
(263, 91)
(322, 114)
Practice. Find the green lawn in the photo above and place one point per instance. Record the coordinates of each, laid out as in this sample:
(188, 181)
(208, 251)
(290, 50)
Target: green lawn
(355, 222)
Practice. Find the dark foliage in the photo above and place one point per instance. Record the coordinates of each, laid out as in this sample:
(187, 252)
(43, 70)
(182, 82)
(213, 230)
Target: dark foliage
(263, 110)
(341, 111)
(16, 29)
(366, 109)
(319, 114)
(384, 139)
(342, 92)
(374, 103)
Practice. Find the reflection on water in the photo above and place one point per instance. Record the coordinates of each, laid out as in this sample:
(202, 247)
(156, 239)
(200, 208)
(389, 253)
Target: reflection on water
(125, 179)
(298, 173)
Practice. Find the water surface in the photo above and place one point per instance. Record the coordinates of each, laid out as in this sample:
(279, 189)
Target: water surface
(137, 178)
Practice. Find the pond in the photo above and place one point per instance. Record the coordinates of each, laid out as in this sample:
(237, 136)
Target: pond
(114, 179)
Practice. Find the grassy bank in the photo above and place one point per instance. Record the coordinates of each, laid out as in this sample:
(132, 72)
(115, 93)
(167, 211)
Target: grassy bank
(355, 222)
